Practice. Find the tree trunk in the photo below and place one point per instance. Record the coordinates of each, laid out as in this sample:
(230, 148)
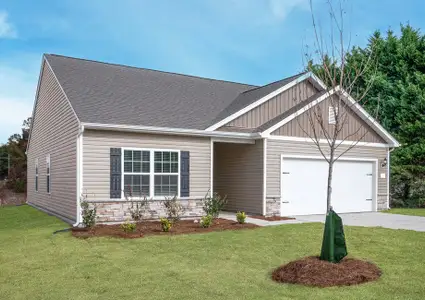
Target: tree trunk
(330, 173)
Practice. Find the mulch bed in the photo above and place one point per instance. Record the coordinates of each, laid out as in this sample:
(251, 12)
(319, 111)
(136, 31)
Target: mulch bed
(312, 271)
(148, 228)
(272, 218)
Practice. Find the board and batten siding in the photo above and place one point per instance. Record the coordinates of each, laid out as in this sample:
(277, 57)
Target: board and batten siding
(273, 107)
(54, 131)
(96, 159)
(238, 174)
(277, 147)
(355, 129)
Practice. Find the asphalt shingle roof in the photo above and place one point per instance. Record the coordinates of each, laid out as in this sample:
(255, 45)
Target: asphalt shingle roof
(116, 94)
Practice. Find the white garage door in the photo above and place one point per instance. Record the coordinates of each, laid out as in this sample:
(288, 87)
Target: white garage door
(304, 183)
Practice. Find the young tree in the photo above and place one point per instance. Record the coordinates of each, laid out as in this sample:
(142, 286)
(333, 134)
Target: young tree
(336, 67)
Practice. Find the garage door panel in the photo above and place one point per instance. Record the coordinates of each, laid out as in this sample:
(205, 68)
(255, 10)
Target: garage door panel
(304, 184)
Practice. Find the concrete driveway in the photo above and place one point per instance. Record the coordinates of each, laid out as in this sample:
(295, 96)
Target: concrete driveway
(374, 219)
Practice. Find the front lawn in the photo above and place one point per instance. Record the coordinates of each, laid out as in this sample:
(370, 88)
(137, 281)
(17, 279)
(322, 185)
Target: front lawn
(34, 264)
(407, 211)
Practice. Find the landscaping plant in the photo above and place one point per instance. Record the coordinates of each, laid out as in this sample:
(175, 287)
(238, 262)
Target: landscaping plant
(88, 213)
(213, 204)
(128, 227)
(165, 224)
(137, 207)
(206, 221)
(174, 209)
(241, 217)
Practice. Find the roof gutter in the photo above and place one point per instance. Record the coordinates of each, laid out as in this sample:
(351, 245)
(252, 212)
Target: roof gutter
(172, 131)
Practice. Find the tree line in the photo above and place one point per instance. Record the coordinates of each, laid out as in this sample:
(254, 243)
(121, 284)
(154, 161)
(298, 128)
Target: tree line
(13, 159)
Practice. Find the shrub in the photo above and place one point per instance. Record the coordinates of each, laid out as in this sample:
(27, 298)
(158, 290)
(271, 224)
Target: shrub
(174, 209)
(407, 186)
(212, 205)
(137, 207)
(128, 227)
(19, 186)
(165, 224)
(240, 217)
(206, 221)
(88, 213)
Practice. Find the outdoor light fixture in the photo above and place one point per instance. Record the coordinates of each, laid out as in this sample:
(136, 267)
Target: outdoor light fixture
(384, 162)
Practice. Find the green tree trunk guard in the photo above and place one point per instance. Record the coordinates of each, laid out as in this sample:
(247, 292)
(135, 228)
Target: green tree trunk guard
(334, 248)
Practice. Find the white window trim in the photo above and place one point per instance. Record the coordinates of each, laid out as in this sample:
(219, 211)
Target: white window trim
(151, 172)
(37, 182)
(48, 174)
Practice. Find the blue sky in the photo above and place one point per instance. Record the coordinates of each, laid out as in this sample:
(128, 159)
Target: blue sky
(250, 41)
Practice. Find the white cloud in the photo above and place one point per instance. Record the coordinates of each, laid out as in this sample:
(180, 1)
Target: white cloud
(7, 30)
(280, 9)
(17, 90)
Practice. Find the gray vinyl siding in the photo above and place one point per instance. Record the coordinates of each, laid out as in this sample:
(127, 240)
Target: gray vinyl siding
(54, 131)
(96, 159)
(238, 173)
(355, 128)
(273, 107)
(275, 148)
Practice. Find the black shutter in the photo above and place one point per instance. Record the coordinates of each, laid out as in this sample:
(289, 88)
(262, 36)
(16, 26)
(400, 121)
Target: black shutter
(184, 173)
(115, 173)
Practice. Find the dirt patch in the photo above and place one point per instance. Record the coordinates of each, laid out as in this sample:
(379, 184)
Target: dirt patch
(272, 218)
(148, 228)
(315, 272)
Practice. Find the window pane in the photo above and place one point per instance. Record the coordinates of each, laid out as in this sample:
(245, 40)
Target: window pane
(158, 179)
(127, 167)
(127, 180)
(128, 155)
(174, 167)
(157, 190)
(136, 179)
(145, 179)
(174, 156)
(166, 156)
(145, 167)
(137, 167)
(146, 156)
(173, 179)
(136, 190)
(145, 190)
(173, 190)
(158, 167)
(158, 156)
(166, 168)
(137, 155)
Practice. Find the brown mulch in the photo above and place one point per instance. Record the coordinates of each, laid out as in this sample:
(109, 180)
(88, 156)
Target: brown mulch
(148, 228)
(312, 271)
(272, 218)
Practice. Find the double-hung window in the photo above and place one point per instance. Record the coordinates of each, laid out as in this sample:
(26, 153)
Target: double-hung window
(36, 174)
(136, 173)
(166, 173)
(150, 173)
(48, 178)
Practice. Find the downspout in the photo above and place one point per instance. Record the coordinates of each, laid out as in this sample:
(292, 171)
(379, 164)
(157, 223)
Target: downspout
(388, 176)
(79, 173)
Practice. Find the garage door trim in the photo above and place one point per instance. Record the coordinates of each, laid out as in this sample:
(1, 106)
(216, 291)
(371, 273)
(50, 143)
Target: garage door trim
(342, 158)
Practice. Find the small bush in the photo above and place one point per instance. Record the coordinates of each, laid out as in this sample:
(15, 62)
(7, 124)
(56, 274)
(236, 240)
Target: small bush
(137, 207)
(89, 214)
(19, 186)
(212, 205)
(206, 221)
(128, 227)
(174, 209)
(165, 224)
(240, 217)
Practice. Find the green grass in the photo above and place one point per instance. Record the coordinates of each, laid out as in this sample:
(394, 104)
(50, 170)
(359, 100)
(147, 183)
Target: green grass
(34, 264)
(407, 211)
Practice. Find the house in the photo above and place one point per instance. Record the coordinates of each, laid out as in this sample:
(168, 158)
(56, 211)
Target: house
(101, 130)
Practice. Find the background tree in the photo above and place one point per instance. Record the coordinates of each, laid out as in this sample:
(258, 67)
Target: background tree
(16, 148)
